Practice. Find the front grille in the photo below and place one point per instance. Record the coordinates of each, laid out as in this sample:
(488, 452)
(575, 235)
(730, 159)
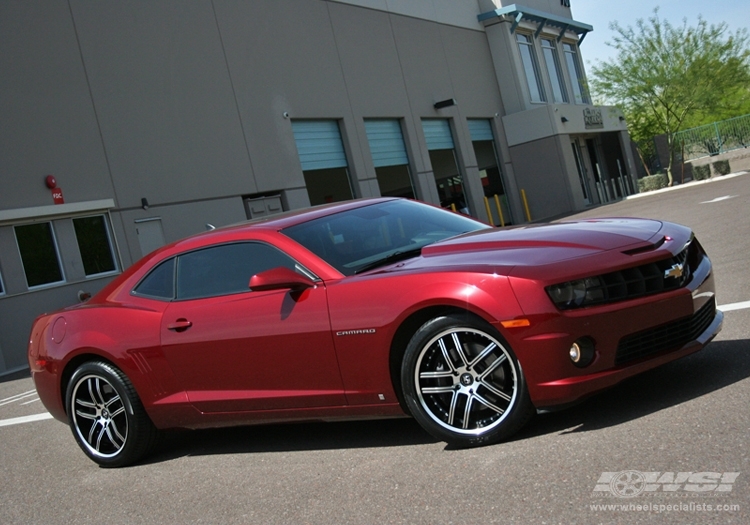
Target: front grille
(647, 279)
(670, 336)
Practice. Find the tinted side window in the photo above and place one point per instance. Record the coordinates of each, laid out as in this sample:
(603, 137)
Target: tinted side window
(159, 283)
(95, 245)
(225, 269)
(38, 249)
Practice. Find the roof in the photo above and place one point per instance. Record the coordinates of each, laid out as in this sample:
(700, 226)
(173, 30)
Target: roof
(519, 13)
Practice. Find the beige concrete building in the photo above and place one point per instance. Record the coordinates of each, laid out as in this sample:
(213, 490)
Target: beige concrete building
(155, 119)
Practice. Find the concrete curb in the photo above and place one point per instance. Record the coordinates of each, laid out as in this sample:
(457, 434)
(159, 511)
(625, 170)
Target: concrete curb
(687, 185)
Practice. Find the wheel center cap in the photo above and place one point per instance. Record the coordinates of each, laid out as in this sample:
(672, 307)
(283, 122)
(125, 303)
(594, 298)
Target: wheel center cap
(466, 379)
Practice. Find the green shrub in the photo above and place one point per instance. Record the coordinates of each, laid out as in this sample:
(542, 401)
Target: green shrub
(701, 172)
(721, 167)
(654, 182)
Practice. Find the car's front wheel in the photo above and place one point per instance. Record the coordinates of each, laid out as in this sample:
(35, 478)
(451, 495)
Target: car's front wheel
(463, 383)
(106, 416)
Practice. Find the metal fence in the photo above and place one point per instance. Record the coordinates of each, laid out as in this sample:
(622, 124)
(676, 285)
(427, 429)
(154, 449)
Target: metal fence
(713, 139)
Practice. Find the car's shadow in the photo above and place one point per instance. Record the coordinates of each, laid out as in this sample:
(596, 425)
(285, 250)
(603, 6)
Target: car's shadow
(721, 364)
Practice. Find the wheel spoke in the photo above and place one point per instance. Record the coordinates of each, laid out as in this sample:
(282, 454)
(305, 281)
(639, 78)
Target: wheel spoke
(487, 351)
(446, 355)
(116, 398)
(452, 412)
(498, 393)
(91, 433)
(90, 384)
(438, 389)
(467, 411)
(489, 405)
(86, 404)
(102, 433)
(86, 415)
(112, 438)
(497, 362)
(117, 432)
(435, 375)
(459, 348)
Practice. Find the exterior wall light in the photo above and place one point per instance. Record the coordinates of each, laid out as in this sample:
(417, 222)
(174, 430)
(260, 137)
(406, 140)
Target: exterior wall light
(445, 103)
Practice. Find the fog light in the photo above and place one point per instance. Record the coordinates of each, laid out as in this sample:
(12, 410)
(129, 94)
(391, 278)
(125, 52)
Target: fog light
(582, 352)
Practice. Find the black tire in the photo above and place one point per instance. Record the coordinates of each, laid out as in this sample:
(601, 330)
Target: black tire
(106, 416)
(462, 382)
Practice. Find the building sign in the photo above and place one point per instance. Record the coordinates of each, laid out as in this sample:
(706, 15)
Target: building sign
(57, 196)
(592, 117)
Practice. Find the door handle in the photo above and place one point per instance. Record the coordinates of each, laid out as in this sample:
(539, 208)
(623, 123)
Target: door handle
(180, 325)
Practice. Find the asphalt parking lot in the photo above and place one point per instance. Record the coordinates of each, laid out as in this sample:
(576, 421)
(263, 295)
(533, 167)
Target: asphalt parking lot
(681, 431)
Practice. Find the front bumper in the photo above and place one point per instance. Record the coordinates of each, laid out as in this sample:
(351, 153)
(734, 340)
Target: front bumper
(573, 389)
(630, 337)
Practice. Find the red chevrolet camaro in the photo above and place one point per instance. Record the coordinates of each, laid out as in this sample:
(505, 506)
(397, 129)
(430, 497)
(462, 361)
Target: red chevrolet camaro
(366, 309)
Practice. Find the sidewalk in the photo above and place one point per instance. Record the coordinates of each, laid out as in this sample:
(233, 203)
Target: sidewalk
(687, 184)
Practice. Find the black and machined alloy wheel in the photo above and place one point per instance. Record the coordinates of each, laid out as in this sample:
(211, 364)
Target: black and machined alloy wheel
(463, 383)
(106, 416)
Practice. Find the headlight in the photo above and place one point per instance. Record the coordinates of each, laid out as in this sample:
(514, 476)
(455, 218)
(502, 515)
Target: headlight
(574, 294)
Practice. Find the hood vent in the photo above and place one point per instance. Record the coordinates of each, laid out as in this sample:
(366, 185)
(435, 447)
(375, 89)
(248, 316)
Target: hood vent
(646, 248)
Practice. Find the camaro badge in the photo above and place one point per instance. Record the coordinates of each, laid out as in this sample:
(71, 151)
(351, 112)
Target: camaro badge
(675, 271)
(357, 332)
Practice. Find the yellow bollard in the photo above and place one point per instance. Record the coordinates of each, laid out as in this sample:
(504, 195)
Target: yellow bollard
(499, 210)
(525, 205)
(489, 212)
(453, 207)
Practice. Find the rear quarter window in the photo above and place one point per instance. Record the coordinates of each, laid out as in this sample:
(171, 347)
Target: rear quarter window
(159, 283)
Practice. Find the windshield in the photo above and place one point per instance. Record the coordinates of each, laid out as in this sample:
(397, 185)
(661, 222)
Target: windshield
(359, 239)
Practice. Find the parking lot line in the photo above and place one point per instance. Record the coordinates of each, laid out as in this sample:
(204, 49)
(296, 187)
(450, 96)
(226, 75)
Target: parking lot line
(17, 397)
(735, 306)
(24, 419)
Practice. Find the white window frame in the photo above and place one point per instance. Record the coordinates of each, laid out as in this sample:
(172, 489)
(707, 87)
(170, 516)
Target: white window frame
(575, 72)
(554, 70)
(526, 43)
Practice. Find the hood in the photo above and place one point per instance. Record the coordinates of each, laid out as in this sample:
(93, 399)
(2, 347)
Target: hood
(547, 243)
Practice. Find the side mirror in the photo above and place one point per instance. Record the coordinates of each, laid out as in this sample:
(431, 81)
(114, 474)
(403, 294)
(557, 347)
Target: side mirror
(279, 279)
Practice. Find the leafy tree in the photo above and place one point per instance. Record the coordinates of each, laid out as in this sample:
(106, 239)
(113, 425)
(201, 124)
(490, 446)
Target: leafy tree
(668, 78)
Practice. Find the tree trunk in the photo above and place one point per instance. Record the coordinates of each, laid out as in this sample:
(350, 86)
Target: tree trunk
(670, 152)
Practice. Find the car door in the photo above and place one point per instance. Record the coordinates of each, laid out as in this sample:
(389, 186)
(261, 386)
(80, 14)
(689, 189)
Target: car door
(234, 349)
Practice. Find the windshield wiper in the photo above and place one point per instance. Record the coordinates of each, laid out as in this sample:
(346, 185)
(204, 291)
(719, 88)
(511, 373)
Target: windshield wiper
(393, 257)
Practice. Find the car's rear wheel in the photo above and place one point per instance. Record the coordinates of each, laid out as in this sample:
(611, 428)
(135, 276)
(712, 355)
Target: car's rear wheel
(463, 383)
(106, 416)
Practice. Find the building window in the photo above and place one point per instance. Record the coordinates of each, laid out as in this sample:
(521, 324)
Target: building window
(95, 245)
(576, 74)
(553, 70)
(39, 254)
(2, 288)
(530, 67)
(323, 160)
(389, 157)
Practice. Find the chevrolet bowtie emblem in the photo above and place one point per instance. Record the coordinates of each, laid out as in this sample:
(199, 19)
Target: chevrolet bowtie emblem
(675, 271)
